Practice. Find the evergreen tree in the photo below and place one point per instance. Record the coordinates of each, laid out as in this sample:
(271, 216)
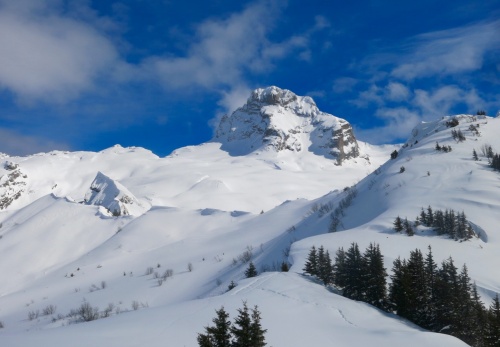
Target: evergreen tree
(480, 316)
(446, 294)
(204, 340)
(218, 335)
(339, 269)
(326, 269)
(231, 285)
(492, 337)
(417, 290)
(374, 276)
(465, 326)
(242, 328)
(311, 266)
(353, 288)
(438, 147)
(251, 271)
(284, 266)
(399, 287)
(474, 155)
(423, 218)
(438, 222)
(394, 154)
(430, 216)
(398, 224)
(408, 228)
(257, 332)
(430, 268)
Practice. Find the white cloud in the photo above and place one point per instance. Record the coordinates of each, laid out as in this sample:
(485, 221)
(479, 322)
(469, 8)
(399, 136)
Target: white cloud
(422, 106)
(396, 91)
(440, 101)
(47, 55)
(222, 51)
(448, 52)
(374, 94)
(398, 124)
(344, 84)
(14, 143)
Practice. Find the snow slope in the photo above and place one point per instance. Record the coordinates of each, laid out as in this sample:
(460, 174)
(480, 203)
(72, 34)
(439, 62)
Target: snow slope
(166, 268)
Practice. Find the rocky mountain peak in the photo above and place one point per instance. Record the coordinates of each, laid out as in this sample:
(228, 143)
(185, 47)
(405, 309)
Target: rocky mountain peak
(275, 119)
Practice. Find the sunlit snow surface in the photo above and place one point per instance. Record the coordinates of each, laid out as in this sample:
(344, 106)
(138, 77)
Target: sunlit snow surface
(202, 206)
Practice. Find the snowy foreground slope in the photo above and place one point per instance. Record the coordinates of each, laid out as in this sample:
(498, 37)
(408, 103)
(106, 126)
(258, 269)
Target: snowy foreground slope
(187, 223)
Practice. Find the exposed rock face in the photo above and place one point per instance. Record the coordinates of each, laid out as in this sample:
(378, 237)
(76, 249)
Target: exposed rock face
(277, 119)
(113, 196)
(12, 185)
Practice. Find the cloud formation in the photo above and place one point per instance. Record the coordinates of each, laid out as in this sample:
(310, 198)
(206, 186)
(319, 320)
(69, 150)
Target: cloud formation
(448, 52)
(14, 143)
(447, 56)
(224, 52)
(45, 54)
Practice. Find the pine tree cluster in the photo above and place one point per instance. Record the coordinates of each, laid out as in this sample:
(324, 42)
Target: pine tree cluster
(246, 331)
(452, 122)
(401, 225)
(495, 162)
(439, 299)
(448, 223)
(445, 149)
(443, 300)
(458, 135)
(359, 276)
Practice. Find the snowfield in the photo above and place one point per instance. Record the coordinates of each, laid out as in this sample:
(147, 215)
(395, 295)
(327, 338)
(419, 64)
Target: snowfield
(194, 219)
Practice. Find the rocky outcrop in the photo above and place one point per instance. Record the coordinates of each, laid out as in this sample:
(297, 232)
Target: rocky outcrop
(275, 119)
(113, 196)
(12, 184)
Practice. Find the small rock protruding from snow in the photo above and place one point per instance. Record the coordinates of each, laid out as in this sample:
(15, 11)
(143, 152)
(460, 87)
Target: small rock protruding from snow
(10, 166)
(113, 196)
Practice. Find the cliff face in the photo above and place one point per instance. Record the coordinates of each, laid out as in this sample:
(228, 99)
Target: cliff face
(275, 119)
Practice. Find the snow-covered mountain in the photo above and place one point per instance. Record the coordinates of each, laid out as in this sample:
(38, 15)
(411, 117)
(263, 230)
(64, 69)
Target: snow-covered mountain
(278, 120)
(155, 242)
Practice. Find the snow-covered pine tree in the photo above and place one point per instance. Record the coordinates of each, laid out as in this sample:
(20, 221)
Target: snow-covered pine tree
(492, 337)
(311, 265)
(256, 330)
(398, 224)
(339, 269)
(374, 276)
(251, 271)
(408, 228)
(242, 328)
(218, 335)
(353, 288)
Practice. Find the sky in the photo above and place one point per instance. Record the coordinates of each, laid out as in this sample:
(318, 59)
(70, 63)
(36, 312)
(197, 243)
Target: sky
(86, 75)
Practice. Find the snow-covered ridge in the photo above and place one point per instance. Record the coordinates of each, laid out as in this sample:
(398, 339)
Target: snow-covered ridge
(278, 120)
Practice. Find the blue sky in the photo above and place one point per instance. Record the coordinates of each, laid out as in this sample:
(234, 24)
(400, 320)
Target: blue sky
(85, 75)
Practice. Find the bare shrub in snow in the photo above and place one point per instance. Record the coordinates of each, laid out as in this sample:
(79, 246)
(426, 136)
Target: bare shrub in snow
(88, 313)
(149, 271)
(135, 305)
(50, 309)
(190, 267)
(103, 284)
(246, 256)
(107, 311)
(33, 314)
(168, 273)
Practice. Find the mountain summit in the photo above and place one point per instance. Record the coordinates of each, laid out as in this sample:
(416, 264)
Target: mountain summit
(275, 119)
